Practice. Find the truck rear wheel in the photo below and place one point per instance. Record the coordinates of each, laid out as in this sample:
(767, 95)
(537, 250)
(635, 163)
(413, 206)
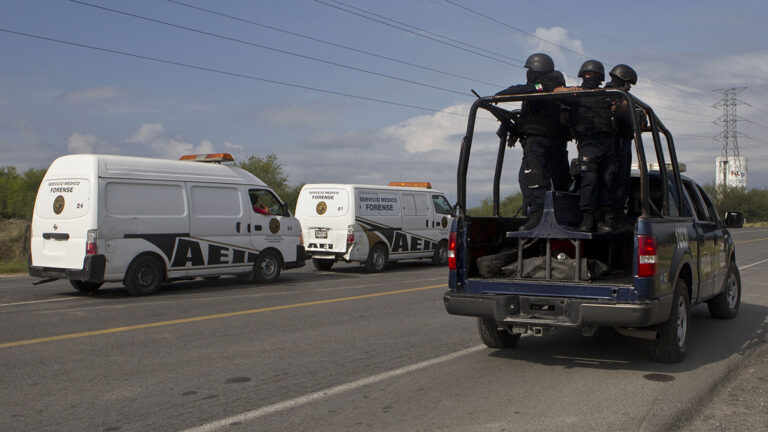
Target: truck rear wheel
(726, 304)
(85, 287)
(144, 276)
(377, 259)
(323, 264)
(440, 258)
(267, 267)
(672, 342)
(494, 337)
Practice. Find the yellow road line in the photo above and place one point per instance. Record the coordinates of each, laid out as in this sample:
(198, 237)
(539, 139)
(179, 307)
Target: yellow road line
(750, 241)
(210, 317)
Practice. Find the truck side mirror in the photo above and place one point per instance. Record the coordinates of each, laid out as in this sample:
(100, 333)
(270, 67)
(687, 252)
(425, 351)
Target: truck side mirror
(734, 219)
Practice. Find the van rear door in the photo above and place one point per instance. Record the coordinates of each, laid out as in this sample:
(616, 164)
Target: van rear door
(62, 216)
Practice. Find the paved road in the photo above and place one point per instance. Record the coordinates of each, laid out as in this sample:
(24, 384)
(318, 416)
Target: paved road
(341, 350)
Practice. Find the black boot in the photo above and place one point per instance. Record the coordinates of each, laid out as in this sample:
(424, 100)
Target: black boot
(533, 221)
(587, 221)
(609, 222)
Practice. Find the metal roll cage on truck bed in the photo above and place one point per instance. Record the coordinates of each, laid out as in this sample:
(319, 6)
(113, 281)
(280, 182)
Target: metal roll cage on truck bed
(641, 282)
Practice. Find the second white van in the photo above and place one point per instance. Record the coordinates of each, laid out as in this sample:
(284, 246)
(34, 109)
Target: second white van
(373, 225)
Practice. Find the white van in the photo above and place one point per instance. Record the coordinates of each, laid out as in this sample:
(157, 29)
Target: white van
(373, 224)
(142, 221)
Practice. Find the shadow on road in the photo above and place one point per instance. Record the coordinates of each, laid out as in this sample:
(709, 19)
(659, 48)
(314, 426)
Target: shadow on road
(710, 340)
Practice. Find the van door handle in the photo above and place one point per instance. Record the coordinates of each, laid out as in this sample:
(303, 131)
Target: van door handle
(237, 227)
(257, 227)
(426, 223)
(249, 227)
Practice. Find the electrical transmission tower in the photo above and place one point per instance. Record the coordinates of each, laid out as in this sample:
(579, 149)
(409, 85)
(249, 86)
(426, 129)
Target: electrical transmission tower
(730, 165)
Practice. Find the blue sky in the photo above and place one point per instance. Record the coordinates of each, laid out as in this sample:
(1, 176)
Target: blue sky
(57, 99)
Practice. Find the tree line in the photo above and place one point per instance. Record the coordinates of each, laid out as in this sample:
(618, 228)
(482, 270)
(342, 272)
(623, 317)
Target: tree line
(18, 190)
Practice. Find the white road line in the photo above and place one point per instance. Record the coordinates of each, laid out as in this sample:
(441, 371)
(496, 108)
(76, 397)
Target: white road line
(38, 301)
(332, 391)
(753, 264)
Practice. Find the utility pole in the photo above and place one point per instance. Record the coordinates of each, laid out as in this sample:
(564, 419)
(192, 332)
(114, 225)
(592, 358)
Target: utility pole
(730, 161)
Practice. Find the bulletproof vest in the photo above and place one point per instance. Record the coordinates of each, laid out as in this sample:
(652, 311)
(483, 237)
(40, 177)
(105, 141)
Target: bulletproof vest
(592, 115)
(540, 118)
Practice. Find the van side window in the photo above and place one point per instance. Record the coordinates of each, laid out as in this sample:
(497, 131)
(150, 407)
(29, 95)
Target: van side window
(409, 204)
(422, 204)
(265, 202)
(216, 201)
(441, 205)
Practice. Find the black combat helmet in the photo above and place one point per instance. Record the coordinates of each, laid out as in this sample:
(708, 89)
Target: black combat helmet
(559, 77)
(540, 62)
(624, 73)
(592, 66)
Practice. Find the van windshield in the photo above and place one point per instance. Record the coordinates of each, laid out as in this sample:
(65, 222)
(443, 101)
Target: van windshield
(323, 202)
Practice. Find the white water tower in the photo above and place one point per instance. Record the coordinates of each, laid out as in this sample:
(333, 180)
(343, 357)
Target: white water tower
(731, 171)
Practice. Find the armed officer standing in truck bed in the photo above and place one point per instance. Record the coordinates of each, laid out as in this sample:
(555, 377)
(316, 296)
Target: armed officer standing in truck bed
(541, 134)
(592, 123)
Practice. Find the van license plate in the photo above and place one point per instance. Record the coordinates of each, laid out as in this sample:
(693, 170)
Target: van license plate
(321, 234)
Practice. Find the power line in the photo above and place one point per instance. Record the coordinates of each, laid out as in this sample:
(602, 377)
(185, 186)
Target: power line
(277, 29)
(228, 73)
(423, 35)
(271, 48)
(516, 29)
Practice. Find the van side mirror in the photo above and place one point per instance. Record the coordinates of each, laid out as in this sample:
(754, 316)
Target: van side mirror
(734, 219)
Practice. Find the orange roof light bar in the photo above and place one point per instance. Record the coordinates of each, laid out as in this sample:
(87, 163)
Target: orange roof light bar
(426, 185)
(210, 157)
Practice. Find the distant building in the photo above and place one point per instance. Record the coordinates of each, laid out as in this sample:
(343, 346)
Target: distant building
(731, 171)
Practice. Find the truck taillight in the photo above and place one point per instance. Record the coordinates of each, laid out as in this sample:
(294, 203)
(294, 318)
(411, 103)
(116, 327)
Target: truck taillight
(452, 250)
(350, 234)
(646, 256)
(90, 245)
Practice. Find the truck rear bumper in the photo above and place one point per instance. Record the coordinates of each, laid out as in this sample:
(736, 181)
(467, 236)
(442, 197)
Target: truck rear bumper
(92, 271)
(557, 311)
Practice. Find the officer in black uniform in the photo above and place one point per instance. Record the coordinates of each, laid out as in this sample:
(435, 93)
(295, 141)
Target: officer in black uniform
(540, 134)
(622, 77)
(592, 123)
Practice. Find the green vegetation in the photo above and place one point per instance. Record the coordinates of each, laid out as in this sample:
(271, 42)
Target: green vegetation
(18, 191)
(507, 207)
(14, 246)
(752, 203)
(271, 172)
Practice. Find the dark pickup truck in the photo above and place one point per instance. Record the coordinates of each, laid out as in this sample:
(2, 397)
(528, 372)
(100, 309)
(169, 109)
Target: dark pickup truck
(641, 280)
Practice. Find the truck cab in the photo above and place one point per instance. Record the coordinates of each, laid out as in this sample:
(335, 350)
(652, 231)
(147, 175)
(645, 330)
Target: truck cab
(642, 280)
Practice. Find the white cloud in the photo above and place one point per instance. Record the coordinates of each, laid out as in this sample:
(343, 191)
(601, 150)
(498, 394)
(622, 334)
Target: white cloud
(81, 143)
(147, 133)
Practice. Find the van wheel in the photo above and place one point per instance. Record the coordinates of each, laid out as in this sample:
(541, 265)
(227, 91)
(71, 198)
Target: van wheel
(267, 267)
(85, 287)
(144, 276)
(672, 342)
(726, 304)
(493, 337)
(377, 259)
(440, 258)
(323, 264)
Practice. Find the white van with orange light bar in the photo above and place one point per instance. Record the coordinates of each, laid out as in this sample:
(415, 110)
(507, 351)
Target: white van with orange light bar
(143, 222)
(373, 225)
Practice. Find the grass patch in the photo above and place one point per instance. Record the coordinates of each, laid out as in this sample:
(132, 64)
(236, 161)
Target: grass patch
(14, 246)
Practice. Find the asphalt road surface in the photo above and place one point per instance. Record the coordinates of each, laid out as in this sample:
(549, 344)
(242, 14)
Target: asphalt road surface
(342, 350)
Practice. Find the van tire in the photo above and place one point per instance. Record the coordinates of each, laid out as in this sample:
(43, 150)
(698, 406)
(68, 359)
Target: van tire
(323, 264)
(85, 287)
(267, 267)
(726, 304)
(493, 337)
(672, 341)
(144, 276)
(440, 258)
(377, 259)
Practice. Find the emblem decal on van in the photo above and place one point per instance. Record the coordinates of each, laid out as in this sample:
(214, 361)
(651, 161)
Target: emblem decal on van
(321, 207)
(274, 226)
(58, 204)
(444, 222)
